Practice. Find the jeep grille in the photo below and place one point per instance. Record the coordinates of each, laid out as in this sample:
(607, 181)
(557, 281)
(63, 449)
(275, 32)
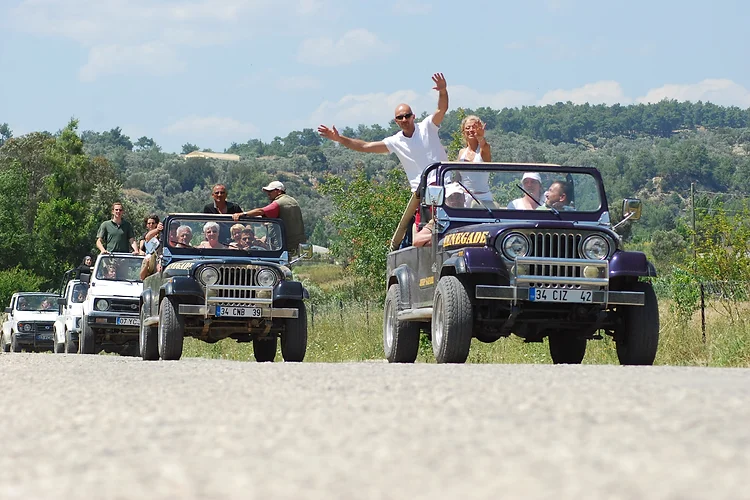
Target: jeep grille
(557, 245)
(236, 276)
(124, 305)
(42, 326)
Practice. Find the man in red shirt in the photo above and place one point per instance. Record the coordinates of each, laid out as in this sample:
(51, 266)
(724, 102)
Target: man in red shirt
(282, 207)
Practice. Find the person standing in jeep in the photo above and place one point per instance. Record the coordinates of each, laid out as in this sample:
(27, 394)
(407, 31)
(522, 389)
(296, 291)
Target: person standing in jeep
(283, 207)
(116, 234)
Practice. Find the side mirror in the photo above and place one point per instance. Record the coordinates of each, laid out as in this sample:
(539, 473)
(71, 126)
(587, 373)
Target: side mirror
(85, 278)
(631, 208)
(305, 250)
(8, 310)
(61, 301)
(434, 195)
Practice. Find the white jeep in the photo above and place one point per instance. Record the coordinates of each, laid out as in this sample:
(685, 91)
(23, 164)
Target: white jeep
(29, 322)
(111, 320)
(68, 322)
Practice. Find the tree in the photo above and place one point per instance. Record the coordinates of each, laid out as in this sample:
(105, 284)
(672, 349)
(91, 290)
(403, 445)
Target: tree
(189, 148)
(5, 133)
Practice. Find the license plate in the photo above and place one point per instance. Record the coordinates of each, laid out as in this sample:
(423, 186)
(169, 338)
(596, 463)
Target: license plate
(128, 321)
(44, 336)
(557, 295)
(239, 312)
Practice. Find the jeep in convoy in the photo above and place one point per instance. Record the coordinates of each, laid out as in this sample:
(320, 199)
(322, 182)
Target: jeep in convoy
(70, 314)
(524, 249)
(29, 322)
(211, 287)
(110, 320)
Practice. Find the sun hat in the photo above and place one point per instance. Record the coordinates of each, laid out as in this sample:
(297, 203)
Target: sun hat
(274, 185)
(532, 175)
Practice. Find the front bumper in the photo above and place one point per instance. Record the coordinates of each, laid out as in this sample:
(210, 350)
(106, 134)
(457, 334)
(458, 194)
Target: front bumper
(36, 339)
(572, 281)
(122, 321)
(266, 311)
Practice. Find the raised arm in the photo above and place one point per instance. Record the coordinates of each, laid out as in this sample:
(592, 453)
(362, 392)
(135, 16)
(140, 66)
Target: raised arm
(442, 87)
(353, 144)
(484, 146)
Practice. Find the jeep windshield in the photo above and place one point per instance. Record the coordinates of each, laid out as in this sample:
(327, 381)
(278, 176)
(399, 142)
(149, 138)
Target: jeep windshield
(221, 236)
(558, 190)
(119, 268)
(37, 303)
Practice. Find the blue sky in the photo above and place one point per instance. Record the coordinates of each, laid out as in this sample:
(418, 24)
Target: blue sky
(213, 72)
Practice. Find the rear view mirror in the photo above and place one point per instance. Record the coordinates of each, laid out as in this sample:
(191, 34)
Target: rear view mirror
(631, 208)
(8, 310)
(434, 195)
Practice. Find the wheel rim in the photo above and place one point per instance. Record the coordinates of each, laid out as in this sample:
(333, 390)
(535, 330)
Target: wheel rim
(389, 325)
(437, 321)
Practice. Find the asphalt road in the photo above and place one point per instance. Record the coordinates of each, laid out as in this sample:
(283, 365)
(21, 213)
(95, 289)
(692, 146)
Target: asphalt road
(109, 427)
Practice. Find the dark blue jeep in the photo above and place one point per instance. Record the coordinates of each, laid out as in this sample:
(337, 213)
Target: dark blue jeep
(527, 249)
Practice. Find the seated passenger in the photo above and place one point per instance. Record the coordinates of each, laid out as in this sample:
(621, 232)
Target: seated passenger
(211, 233)
(532, 183)
(184, 235)
(558, 196)
(249, 240)
(455, 197)
(47, 304)
(22, 304)
(236, 232)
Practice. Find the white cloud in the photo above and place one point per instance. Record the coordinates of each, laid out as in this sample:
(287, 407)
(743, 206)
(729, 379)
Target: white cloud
(351, 110)
(354, 46)
(132, 26)
(717, 91)
(211, 127)
(603, 92)
(299, 83)
(151, 58)
(466, 97)
(409, 8)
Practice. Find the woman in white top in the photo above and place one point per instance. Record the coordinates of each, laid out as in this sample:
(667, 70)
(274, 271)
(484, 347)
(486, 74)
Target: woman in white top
(477, 150)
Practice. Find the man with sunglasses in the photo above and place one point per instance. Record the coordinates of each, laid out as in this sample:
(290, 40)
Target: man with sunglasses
(416, 145)
(220, 204)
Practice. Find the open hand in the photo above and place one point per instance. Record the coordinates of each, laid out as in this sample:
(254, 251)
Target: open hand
(440, 83)
(329, 133)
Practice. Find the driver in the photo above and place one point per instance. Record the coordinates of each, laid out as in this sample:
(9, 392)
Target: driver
(559, 195)
(532, 183)
(455, 197)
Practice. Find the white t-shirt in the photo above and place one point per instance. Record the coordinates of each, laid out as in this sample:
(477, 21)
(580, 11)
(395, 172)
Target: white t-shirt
(418, 151)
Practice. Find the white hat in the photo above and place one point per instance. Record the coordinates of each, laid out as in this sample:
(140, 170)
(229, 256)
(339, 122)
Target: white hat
(532, 175)
(277, 185)
(453, 188)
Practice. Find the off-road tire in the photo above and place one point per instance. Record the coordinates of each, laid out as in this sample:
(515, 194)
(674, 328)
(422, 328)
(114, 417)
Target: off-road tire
(14, 345)
(148, 339)
(87, 338)
(638, 339)
(566, 349)
(171, 331)
(57, 348)
(5, 346)
(264, 349)
(70, 346)
(294, 337)
(400, 338)
(452, 321)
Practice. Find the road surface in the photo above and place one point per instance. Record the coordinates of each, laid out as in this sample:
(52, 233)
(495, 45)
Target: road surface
(104, 427)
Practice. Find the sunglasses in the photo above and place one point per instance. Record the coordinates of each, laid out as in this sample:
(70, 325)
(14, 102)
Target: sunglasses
(220, 192)
(405, 116)
(247, 238)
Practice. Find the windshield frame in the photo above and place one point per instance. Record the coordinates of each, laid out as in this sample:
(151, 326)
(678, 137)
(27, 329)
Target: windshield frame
(99, 263)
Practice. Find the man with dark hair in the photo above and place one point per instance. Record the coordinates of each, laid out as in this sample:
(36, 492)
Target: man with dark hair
(559, 196)
(220, 204)
(116, 234)
(282, 207)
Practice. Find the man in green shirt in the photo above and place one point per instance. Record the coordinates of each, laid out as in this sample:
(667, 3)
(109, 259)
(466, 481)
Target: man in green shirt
(116, 235)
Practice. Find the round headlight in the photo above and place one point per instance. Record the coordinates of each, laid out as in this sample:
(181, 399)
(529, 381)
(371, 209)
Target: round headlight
(209, 276)
(515, 245)
(27, 327)
(101, 305)
(266, 277)
(595, 247)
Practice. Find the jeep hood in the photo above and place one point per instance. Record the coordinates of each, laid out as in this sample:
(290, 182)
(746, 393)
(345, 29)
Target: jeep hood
(35, 315)
(116, 288)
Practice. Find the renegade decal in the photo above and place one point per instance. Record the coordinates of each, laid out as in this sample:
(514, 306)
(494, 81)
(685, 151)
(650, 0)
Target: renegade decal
(465, 239)
(180, 265)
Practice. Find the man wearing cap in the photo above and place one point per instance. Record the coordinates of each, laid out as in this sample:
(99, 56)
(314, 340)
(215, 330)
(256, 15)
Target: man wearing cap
(532, 183)
(220, 204)
(282, 207)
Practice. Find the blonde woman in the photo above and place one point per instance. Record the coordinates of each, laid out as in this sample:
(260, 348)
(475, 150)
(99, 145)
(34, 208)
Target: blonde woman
(477, 150)
(236, 232)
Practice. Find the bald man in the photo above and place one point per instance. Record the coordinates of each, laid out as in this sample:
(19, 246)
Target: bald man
(417, 145)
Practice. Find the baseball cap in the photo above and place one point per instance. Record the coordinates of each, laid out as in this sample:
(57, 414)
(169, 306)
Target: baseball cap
(453, 188)
(532, 175)
(274, 185)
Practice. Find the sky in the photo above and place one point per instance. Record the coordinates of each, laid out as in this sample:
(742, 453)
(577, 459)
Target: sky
(214, 72)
